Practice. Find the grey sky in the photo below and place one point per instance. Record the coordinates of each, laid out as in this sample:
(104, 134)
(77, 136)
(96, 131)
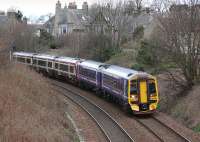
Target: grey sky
(39, 7)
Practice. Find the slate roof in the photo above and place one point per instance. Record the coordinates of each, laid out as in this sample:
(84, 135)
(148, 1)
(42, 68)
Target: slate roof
(3, 19)
(72, 16)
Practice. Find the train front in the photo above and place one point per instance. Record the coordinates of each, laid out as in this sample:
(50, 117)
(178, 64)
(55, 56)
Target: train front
(143, 94)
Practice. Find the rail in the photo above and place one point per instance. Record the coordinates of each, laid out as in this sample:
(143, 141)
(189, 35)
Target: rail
(112, 130)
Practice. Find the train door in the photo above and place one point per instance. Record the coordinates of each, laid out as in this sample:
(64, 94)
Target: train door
(143, 91)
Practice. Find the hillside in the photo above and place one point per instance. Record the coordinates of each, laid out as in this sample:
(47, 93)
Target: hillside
(29, 112)
(187, 109)
(182, 105)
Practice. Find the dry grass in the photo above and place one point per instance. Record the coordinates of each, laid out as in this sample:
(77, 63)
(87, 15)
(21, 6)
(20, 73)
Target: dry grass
(181, 105)
(187, 109)
(29, 110)
(124, 59)
(170, 92)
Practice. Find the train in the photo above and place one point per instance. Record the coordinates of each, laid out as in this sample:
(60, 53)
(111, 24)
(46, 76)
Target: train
(134, 91)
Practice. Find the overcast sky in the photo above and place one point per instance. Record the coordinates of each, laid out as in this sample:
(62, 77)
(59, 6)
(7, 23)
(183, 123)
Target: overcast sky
(39, 7)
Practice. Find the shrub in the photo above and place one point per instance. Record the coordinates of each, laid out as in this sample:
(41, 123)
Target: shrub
(53, 45)
(146, 54)
(138, 67)
(101, 48)
(138, 32)
(197, 128)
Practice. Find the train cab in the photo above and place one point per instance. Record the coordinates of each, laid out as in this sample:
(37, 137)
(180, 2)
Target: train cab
(143, 93)
(135, 90)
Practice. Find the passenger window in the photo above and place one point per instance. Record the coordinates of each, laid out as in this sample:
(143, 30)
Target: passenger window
(34, 61)
(21, 59)
(56, 65)
(41, 63)
(152, 88)
(64, 67)
(71, 69)
(28, 60)
(50, 64)
(133, 87)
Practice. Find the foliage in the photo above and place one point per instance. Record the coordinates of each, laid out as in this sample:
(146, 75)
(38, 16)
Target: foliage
(19, 15)
(147, 53)
(52, 45)
(47, 39)
(138, 32)
(179, 35)
(103, 48)
(138, 67)
(45, 36)
(197, 128)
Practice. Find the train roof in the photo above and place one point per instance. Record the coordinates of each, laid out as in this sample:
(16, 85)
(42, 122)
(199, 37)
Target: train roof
(23, 54)
(67, 59)
(45, 56)
(91, 64)
(120, 71)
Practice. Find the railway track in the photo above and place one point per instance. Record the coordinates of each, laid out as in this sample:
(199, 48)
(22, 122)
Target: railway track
(156, 127)
(112, 130)
(161, 130)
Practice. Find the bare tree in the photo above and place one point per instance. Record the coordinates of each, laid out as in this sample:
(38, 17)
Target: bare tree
(118, 18)
(138, 4)
(179, 32)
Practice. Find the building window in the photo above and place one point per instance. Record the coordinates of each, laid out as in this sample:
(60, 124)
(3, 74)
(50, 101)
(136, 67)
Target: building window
(64, 30)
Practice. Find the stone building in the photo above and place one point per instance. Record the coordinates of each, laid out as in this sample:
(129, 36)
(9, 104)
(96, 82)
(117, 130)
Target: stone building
(11, 18)
(5, 18)
(68, 19)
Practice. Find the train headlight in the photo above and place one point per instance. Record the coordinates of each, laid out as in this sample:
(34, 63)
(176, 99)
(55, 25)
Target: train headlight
(134, 98)
(153, 98)
(153, 95)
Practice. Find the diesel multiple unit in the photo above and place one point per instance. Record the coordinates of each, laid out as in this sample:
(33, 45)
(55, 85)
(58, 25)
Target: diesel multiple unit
(133, 90)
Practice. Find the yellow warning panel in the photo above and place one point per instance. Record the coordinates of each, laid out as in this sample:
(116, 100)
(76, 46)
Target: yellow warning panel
(143, 92)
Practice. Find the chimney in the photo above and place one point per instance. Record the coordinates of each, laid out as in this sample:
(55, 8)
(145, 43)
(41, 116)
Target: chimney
(2, 13)
(72, 5)
(58, 6)
(85, 7)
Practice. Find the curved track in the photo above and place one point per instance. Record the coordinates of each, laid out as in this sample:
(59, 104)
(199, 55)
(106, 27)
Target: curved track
(112, 130)
(161, 130)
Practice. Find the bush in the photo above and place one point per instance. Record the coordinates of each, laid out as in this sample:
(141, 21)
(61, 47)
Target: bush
(52, 46)
(197, 128)
(138, 67)
(147, 53)
(101, 48)
(138, 32)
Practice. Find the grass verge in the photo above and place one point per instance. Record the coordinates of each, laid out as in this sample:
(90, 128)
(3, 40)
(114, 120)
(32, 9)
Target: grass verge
(30, 110)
